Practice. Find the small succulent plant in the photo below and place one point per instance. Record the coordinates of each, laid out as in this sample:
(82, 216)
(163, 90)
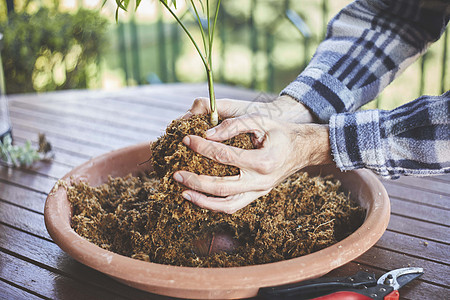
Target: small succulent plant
(23, 156)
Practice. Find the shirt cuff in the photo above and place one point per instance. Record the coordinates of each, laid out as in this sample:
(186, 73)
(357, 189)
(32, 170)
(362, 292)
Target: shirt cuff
(322, 93)
(356, 141)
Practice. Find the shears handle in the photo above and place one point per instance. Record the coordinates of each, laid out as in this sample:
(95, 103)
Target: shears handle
(346, 295)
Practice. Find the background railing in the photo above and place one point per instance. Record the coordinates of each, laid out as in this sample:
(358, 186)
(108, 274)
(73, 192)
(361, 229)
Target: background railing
(260, 44)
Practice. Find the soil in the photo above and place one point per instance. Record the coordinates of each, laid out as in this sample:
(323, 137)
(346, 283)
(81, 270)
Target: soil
(146, 218)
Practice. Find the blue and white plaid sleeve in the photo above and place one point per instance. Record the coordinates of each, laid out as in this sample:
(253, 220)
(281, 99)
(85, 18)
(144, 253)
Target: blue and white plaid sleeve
(368, 44)
(413, 139)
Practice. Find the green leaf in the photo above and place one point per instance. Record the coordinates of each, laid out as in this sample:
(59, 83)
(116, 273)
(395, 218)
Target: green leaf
(138, 2)
(117, 14)
(120, 3)
(169, 3)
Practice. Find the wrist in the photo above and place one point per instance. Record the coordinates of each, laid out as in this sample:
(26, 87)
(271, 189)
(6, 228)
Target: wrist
(293, 110)
(312, 144)
(321, 139)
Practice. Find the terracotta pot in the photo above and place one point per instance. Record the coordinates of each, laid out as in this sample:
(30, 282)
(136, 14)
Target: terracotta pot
(211, 283)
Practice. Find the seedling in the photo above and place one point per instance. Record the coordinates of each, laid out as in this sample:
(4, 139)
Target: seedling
(207, 37)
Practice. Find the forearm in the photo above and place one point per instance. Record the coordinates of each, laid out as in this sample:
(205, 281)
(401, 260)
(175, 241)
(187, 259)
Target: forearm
(368, 44)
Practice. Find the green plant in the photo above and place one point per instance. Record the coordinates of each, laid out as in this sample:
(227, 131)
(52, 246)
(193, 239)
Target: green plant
(23, 156)
(207, 37)
(50, 50)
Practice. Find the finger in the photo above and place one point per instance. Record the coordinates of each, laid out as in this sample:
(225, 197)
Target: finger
(228, 205)
(214, 185)
(227, 155)
(235, 126)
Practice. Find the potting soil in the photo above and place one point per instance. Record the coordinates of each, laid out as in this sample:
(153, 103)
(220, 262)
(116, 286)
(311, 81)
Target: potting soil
(146, 218)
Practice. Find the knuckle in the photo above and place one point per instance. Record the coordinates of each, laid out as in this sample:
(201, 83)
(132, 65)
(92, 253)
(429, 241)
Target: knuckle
(266, 166)
(199, 104)
(221, 155)
(198, 101)
(227, 122)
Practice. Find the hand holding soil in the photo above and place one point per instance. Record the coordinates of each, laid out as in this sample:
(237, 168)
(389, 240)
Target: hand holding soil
(281, 150)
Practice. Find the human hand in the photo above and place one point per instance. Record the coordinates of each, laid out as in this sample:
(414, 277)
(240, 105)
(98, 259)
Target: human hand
(284, 108)
(282, 149)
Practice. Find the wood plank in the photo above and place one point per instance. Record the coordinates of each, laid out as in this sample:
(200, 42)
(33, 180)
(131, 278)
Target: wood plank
(415, 210)
(131, 115)
(140, 105)
(188, 92)
(63, 145)
(103, 110)
(416, 195)
(145, 101)
(23, 219)
(32, 180)
(420, 229)
(93, 137)
(444, 178)
(52, 258)
(23, 197)
(57, 120)
(434, 273)
(416, 247)
(442, 188)
(9, 292)
(46, 283)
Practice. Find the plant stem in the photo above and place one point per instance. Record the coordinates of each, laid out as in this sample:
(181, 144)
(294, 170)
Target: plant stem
(212, 98)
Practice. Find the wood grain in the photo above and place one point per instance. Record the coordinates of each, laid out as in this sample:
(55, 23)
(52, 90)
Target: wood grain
(84, 124)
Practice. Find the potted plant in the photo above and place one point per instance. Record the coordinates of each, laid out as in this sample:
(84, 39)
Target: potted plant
(158, 220)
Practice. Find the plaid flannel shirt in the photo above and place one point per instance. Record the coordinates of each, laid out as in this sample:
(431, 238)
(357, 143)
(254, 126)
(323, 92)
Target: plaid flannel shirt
(368, 44)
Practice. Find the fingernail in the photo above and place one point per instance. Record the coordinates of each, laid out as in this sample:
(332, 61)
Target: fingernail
(187, 141)
(210, 132)
(178, 177)
(186, 196)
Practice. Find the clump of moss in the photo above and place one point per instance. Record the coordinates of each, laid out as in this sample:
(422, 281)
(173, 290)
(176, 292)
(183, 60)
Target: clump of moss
(146, 218)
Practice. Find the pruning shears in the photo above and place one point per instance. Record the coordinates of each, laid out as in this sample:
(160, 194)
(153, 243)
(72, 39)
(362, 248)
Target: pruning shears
(361, 286)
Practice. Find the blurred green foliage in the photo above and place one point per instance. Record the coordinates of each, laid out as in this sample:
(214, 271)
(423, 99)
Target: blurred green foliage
(50, 50)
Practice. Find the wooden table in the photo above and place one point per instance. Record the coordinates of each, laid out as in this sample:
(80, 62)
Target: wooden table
(84, 124)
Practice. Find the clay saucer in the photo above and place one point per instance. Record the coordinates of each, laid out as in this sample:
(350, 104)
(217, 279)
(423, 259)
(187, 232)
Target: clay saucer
(211, 283)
